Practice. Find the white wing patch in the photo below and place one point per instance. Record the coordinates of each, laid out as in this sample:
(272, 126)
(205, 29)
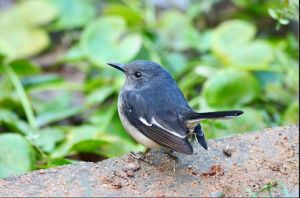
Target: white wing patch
(153, 121)
(144, 121)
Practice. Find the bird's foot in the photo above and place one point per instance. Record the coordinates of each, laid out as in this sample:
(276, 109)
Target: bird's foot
(170, 154)
(140, 157)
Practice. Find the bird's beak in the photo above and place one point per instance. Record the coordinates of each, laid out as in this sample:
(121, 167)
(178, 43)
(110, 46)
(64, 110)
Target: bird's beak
(118, 66)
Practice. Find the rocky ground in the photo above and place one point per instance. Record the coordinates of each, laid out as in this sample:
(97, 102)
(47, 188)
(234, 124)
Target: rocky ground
(230, 167)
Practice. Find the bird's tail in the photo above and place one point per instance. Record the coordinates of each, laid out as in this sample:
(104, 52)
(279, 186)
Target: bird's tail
(200, 136)
(195, 117)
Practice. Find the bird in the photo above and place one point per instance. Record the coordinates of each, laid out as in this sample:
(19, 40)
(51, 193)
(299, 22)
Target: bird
(154, 111)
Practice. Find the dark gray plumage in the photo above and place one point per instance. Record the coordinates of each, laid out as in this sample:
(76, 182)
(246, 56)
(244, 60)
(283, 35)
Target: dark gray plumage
(153, 109)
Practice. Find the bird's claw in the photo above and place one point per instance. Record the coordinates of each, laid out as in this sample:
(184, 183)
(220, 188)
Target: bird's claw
(169, 153)
(140, 157)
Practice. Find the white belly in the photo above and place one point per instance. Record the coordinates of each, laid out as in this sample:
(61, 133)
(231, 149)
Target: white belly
(134, 132)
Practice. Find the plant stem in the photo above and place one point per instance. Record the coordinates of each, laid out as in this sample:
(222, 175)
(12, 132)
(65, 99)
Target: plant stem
(26, 106)
(22, 95)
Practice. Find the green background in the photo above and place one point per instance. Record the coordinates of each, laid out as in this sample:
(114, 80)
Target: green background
(58, 97)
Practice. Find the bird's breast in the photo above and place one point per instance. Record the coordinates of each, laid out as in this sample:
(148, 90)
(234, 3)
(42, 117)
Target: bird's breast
(132, 130)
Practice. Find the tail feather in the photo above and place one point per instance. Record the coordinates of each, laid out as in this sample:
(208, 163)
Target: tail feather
(200, 136)
(195, 117)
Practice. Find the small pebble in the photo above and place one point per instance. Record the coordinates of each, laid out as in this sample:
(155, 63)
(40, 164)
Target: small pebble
(161, 195)
(227, 151)
(190, 166)
(130, 173)
(204, 173)
(41, 171)
(216, 170)
(132, 166)
(117, 185)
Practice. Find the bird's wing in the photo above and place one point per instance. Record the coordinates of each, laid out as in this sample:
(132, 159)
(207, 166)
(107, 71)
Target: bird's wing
(160, 125)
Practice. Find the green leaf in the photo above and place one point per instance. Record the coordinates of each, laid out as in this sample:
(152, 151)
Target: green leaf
(48, 138)
(106, 39)
(41, 79)
(55, 116)
(232, 33)
(72, 13)
(175, 63)
(273, 13)
(20, 126)
(74, 54)
(232, 42)
(284, 189)
(19, 38)
(268, 77)
(120, 148)
(23, 67)
(7, 115)
(99, 95)
(291, 115)
(23, 42)
(205, 70)
(6, 50)
(132, 17)
(17, 155)
(57, 109)
(25, 14)
(255, 56)
(230, 88)
(176, 31)
(79, 138)
(60, 162)
(278, 94)
(251, 120)
(284, 21)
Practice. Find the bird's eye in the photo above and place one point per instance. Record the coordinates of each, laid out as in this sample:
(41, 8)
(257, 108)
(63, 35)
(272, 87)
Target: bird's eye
(138, 74)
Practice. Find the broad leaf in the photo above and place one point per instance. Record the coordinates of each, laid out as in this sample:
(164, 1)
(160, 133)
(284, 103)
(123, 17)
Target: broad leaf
(106, 39)
(48, 138)
(291, 115)
(16, 155)
(132, 17)
(28, 13)
(232, 43)
(231, 88)
(23, 67)
(21, 42)
(79, 138)
(72, 13)
(176, 31)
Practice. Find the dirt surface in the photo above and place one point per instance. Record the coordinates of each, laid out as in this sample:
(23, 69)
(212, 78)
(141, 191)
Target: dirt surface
(250, 160)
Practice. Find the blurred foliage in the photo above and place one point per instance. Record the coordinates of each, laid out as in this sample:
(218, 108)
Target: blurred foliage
(58, 97)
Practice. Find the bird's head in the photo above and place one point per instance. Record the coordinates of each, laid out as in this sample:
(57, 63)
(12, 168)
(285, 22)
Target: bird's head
(141, 74)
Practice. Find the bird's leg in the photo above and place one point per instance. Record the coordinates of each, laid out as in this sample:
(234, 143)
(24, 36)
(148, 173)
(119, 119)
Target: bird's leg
(145, 153)
(170, 154)
(140, 157)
